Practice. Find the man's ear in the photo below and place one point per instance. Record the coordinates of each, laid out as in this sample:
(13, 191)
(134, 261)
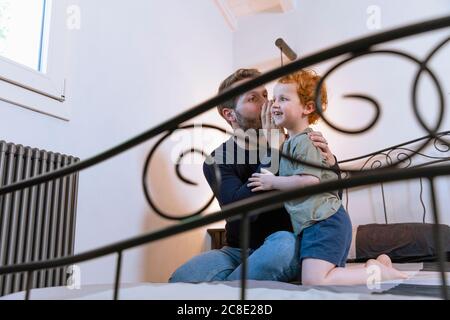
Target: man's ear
(228, 114)
(310, 107)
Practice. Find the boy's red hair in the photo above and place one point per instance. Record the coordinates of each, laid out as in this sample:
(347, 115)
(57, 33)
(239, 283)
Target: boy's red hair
(306, 82)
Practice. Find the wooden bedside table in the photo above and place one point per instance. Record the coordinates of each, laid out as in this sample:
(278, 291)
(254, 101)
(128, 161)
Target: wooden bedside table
(218, 239)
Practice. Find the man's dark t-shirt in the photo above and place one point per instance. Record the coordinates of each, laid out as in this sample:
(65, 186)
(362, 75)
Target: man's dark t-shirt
(236, 166)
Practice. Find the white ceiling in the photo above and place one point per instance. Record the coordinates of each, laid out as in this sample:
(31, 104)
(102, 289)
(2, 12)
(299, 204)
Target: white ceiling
(233, 9)
(248, 7)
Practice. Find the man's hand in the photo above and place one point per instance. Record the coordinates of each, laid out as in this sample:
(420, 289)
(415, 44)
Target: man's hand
(269, 126)
(320, 142)
(262, 181)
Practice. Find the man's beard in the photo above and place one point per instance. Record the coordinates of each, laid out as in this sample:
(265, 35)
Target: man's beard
(245, 123)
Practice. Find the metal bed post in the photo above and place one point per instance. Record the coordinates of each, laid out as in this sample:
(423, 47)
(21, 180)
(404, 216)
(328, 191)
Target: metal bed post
(438, 240)
(245, 235)
(117, 279)
(384, 203)
(29, 284)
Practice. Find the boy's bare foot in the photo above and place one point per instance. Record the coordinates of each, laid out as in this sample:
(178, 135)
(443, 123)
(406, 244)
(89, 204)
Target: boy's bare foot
(387, 273)
(384, 259)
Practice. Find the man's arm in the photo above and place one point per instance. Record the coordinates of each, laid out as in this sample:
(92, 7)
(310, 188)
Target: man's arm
(320, 142)
(337, 169)
(231, 188)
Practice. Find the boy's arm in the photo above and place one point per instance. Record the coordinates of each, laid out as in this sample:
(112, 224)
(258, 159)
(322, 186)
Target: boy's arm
(300, 175)
(295, 181)
(267, 181)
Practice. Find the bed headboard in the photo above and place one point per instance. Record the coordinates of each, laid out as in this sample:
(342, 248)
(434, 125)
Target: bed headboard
(434, 152)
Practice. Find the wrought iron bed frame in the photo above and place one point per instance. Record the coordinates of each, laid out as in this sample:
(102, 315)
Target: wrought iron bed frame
(405, 156)
(257, 204)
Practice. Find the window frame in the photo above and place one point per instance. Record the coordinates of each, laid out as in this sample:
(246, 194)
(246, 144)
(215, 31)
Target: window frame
(25, 87)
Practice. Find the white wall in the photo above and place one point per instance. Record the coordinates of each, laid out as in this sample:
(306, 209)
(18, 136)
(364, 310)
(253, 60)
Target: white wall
(130, 67)
(317, 25)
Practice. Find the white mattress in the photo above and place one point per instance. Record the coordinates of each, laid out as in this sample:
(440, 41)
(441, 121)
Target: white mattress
(257, 290)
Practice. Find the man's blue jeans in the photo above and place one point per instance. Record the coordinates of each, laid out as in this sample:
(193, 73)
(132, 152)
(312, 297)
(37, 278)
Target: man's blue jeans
(276, 260)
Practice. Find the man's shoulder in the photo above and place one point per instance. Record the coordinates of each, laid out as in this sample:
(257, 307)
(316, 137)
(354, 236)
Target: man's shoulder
(220, 153)
(226, 147)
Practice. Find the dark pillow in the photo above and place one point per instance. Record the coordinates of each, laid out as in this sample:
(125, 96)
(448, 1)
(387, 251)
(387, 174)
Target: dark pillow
(402, 242)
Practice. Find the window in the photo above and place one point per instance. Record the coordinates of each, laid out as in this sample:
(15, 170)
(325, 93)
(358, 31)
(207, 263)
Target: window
(22, 31)
(32, 53)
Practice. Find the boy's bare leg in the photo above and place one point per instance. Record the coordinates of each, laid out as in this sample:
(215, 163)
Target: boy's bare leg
(382, 258)
(321, 272)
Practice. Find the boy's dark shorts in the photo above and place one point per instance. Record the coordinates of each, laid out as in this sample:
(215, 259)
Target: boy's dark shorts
(328, 240)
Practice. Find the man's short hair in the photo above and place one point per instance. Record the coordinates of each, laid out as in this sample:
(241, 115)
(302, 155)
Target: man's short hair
(239, 75)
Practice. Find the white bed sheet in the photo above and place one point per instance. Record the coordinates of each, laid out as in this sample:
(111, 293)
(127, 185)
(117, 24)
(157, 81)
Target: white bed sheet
(257, 290)
(183, 291)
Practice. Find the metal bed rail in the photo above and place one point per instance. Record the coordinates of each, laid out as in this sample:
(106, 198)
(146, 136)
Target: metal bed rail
(245, 208)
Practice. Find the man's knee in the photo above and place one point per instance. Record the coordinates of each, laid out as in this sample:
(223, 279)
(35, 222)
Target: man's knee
(278, 257)
(188, 275)
(283, 241)
(210, 266)
(283, 248)
(182, 274)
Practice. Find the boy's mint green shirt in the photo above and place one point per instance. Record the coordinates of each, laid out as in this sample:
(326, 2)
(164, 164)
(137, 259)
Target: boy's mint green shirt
(306, 211)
